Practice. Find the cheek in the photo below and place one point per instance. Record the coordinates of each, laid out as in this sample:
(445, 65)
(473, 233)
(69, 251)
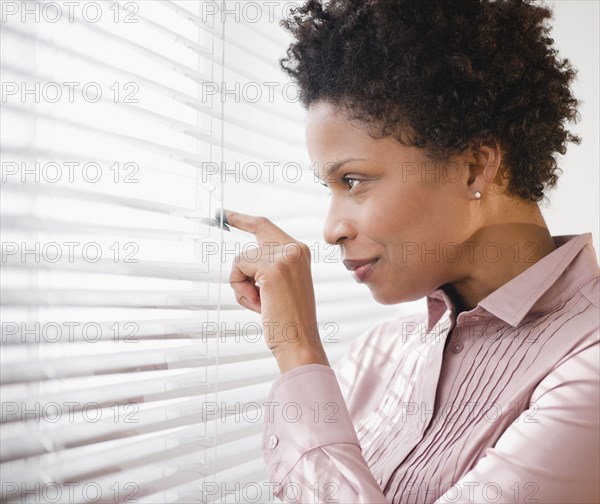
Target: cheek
(411, 216)
(404, 215)
(412, 239)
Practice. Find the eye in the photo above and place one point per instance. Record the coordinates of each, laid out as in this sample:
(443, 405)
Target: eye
(349, 180)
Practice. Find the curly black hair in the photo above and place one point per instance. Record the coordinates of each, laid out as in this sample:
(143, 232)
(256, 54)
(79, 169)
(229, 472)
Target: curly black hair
(442, 75)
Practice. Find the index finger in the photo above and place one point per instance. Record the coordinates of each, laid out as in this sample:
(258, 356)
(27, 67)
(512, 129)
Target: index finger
(261, 227)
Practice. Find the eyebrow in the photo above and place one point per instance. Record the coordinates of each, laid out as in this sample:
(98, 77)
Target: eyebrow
(333, 168)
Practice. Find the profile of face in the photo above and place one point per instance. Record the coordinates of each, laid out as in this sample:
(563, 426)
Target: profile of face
(393, 203)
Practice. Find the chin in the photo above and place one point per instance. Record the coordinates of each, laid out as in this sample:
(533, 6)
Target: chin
(390, 298)
(397, 296)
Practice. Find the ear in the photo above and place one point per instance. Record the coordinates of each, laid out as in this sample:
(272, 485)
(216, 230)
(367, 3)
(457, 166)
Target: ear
(484, 164)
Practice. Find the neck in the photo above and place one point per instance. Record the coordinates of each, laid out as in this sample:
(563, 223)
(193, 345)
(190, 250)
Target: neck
(499, 251)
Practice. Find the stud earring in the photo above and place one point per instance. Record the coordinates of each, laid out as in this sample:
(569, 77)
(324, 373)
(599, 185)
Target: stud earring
(478, 195)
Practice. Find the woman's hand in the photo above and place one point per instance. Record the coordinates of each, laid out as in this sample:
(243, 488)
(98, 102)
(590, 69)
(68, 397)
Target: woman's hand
(274, 280)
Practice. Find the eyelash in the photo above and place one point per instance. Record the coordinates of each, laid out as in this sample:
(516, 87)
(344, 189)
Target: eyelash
(346, 179)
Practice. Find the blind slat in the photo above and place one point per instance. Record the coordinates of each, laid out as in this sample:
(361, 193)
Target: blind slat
(175, 94)
(131, 422)
(22, 153)
(74, 464)
(136, 203)
(169, 300)
(169, 151)
(169, 63)
(25, 222)
(125, 331)
(167, 358)
(166, 300)
(148, 269)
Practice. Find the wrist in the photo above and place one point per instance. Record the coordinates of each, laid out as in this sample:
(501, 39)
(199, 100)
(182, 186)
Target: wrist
(294, 355)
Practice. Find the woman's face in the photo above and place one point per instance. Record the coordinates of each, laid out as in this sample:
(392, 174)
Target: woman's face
(409, 212)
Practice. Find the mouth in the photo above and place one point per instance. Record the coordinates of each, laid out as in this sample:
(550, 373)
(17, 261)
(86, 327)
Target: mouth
(352, 264)
(361, 268)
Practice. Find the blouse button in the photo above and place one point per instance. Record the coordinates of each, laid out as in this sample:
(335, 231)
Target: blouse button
(475, 318)
(457, 348)
(273, 440)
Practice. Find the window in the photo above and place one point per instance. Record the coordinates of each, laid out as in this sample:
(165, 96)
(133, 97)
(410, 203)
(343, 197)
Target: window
(129, 372)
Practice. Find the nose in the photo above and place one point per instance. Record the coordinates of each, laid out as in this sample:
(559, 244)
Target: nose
(338, 225)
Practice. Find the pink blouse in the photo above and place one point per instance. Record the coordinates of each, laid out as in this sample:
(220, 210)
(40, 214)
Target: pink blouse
(497, 405)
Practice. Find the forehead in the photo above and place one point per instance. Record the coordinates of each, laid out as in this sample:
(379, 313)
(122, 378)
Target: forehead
(325, 120)
(332, 138)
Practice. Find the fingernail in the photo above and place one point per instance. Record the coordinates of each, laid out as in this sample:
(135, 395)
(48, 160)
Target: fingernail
(217, 218)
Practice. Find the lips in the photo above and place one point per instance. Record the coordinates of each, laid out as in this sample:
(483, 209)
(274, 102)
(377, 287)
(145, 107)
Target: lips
(360, 267)
(352, 264)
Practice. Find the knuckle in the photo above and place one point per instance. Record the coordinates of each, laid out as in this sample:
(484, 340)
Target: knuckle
(304, 248)
(252, 254)
(296, 251)
(262, 221)
(280, 264)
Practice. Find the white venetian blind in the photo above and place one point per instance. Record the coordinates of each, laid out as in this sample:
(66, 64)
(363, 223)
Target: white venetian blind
(129, 372)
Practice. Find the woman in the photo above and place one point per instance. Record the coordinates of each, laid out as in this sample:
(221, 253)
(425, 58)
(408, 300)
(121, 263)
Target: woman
(435, 125)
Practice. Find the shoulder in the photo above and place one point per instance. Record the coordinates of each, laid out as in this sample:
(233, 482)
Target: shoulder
(573, 342)
(565, 330)
(574, 382)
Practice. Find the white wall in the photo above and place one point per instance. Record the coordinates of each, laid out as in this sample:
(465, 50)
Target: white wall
(573, 207)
